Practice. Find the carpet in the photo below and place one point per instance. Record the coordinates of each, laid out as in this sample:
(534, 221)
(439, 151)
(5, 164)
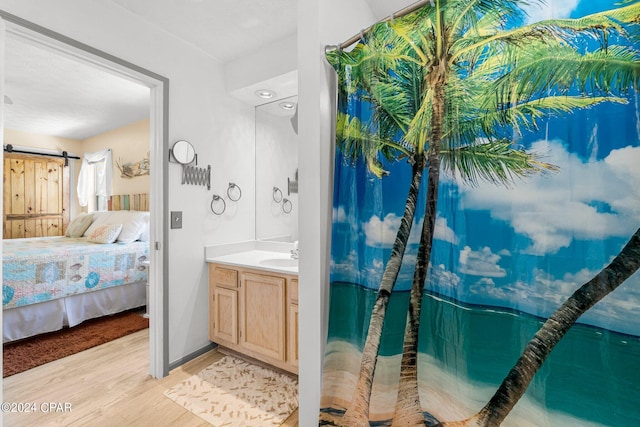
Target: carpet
(232, 392)
(28, 353)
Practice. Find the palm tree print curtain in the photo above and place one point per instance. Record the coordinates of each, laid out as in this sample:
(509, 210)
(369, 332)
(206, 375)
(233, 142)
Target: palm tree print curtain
(486, 239)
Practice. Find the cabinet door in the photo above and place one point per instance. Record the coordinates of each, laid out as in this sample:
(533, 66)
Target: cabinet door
(224, 316)
(262, 315)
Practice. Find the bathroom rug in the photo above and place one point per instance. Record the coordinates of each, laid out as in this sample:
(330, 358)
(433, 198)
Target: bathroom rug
(233, 392)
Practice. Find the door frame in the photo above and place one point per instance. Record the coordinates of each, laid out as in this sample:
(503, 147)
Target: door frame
(17, 27)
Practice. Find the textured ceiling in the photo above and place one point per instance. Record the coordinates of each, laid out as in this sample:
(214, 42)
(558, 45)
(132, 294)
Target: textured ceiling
(224, 29)
(54, 95)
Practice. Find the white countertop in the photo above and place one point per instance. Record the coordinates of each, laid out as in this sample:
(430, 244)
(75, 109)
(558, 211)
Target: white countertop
(275, 261)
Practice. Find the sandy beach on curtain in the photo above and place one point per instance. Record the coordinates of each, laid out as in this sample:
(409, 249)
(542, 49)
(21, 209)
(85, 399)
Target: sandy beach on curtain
(461, 401)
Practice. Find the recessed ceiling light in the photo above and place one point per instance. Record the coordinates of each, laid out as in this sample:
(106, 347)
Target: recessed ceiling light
(287, 105)
(265, 93)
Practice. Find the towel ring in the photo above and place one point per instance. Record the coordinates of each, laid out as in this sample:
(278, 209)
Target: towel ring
(217, 198)
(233, 185)
(287, 206)
(277, 195)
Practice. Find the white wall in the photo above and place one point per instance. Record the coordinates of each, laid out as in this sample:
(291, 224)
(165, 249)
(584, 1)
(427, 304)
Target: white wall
(220, 128)
(275, 60)
(320, 22)
(128, 144)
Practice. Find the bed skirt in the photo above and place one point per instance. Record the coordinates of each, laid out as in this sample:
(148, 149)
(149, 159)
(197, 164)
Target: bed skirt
(26, 321)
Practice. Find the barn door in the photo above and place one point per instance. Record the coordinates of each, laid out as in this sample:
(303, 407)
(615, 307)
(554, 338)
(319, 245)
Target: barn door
(36, 196)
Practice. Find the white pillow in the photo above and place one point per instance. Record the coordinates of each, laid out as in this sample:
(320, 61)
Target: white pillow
(132, 223)
(99, 218)
(79, 225)
(107, 233)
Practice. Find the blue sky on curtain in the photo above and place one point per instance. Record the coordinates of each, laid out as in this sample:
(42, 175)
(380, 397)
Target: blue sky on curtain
(506, 253)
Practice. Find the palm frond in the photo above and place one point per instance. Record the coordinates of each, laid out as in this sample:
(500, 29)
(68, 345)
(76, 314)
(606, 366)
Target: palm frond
(519, 37)
(419, 133)
(493, 162)
(606, 20)
(468, 14)
(403, 32)
(527, 114)
(357, 141)
(553, 29)
(540, 70)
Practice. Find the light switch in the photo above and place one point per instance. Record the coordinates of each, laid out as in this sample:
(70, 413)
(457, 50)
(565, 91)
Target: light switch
(176, 219)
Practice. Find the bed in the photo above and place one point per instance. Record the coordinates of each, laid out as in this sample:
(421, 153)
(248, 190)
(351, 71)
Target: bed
(98, 268)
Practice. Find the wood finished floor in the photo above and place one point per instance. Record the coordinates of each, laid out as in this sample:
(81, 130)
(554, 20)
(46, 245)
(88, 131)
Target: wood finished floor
(108, 385)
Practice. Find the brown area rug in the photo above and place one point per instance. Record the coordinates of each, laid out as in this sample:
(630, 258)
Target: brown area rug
(28, 353)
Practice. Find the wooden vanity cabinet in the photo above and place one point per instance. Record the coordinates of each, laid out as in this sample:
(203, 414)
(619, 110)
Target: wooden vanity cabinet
(255, 312)
(262, 314)
(223, 305)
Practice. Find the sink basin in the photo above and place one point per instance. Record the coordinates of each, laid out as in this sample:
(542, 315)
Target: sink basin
(279, 262)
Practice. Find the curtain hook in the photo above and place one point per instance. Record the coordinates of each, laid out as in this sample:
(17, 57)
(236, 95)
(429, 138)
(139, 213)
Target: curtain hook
(362, 36)
(391, 19)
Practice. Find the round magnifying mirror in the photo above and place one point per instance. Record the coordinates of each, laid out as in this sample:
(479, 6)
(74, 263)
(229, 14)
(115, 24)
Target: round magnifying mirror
(183, 152)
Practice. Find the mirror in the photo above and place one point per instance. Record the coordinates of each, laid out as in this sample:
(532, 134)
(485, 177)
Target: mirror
(183, 152)
(277, 170)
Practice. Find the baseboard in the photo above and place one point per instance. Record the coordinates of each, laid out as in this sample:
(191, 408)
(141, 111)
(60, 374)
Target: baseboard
(191, 356)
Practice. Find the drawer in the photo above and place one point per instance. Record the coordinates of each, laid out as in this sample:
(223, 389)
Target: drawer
(293, 290)
(223, 276)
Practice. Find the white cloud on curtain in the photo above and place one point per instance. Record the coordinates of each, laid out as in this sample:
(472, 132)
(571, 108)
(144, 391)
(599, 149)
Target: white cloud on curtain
(576, 203)
(538, 12)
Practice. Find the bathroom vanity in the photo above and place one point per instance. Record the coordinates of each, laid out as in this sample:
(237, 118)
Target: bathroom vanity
(253, 306)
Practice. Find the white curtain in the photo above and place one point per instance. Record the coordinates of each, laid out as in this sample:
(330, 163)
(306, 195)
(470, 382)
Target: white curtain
(95, 176)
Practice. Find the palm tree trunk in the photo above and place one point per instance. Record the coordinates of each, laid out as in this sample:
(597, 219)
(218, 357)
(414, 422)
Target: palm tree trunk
(516, 382)
(358, 412)
(408, 410)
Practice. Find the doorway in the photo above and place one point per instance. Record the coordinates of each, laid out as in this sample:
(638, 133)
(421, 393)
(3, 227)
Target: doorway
(14, 27)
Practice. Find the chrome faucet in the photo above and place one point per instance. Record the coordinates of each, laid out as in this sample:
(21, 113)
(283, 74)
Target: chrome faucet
(294, 251)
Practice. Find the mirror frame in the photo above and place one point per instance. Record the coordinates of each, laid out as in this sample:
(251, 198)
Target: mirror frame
(181, 152)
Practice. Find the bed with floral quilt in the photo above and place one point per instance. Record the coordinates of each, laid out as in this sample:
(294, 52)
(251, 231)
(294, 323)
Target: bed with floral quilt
(52, 282)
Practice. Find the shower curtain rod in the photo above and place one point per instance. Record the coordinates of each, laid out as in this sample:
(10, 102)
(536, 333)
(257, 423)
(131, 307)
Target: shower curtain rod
(402, 12)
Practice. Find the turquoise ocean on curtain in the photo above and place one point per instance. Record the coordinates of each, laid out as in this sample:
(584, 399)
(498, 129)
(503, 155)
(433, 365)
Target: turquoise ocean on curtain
(486, 216)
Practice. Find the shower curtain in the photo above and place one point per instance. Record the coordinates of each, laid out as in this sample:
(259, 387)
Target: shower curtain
(486, 214)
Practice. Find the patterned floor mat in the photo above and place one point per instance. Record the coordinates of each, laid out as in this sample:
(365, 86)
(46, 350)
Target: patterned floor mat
(232, 392)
